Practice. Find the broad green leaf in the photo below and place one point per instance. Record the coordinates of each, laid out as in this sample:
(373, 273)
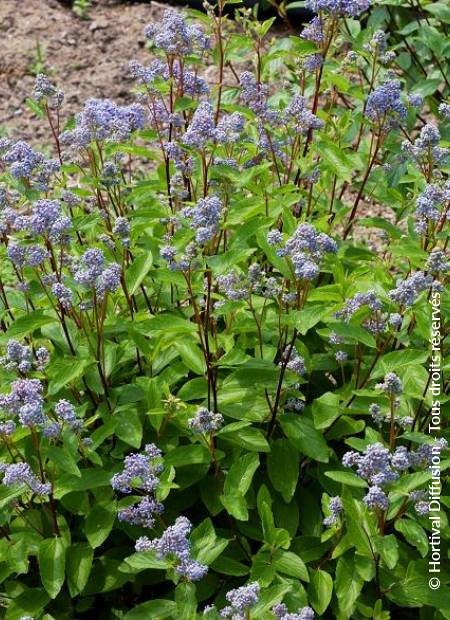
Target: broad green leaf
(27, 324)
(347, 590)
(336, 158)
(192, 356)
(129, 427)
(388, 549)
(98, 524)
(399, 360)
(62, 372)
(283, 467)
(303, 436)
(143, 561)
(78, 567)
(157, 609)
(137, 271)
(290, 564)
(63, 460)
(31, 601)
(320, 590)
(193, 454)
(206, 546)
(229, 566)
(237, 483)
(414, 534)
(249, 438)
(186, 601)
(52, 559)
(325, 410)
(347, 477)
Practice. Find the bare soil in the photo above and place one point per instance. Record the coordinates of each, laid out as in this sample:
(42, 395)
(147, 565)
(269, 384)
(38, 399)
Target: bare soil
(85, 58)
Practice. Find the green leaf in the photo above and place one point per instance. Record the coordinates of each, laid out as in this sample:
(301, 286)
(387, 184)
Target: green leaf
(186, 601)
(440, 10)
(64, 460)
(30, 601)
(237, 483)
(192, 356)
(62, 372)
(193, 454)
(346, 477)
(308, 317)
(228, 566)
(52, 559)
(283, 468)
(336, 158)
(388, 549)
(78, 567)
(249, 438)
(98, 524)
(129, 427)
(27, 324)
(168, 323)
(325, 410)
(143, 561)
(35, 107)
(380, 222)
(303, 436)
(239, 477)
(358, 533)
(347, 590)
(320, 590)
(399, 360)
(157, 609)
(206, 546)
(414, 534)
(290, 564)
(137, 271)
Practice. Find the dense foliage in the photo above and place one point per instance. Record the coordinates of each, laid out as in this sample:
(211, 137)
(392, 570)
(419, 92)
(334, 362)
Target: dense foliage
(223, 318)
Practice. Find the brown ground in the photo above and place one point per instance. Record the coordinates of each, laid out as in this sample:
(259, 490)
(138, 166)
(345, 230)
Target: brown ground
(85, 58)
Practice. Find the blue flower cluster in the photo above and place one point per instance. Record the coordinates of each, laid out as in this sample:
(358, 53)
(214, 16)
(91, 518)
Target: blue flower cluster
(407, 291)
(305, 248)
(281, 612)
(102, 120)
(22, 474)
(94, 274)
(45, 92)
(205, 422)
(314, 30)
(140, 473)
(356, 302)
(391, 385)
(157, 71)
(296, 114)
(174, 545)
(237, 286)
(205, 218)
(377, 416)
(202, 128)
(293, 361)
(26, 402)
(338, 8)
(336, 508)
(384, 105)
(380, 467)
(430, 205)
(174, 36)
(425, 149)
(26, 164)
(241, 600)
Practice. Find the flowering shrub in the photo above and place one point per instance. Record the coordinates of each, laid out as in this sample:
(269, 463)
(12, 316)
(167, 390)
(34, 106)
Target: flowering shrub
(221, 388)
